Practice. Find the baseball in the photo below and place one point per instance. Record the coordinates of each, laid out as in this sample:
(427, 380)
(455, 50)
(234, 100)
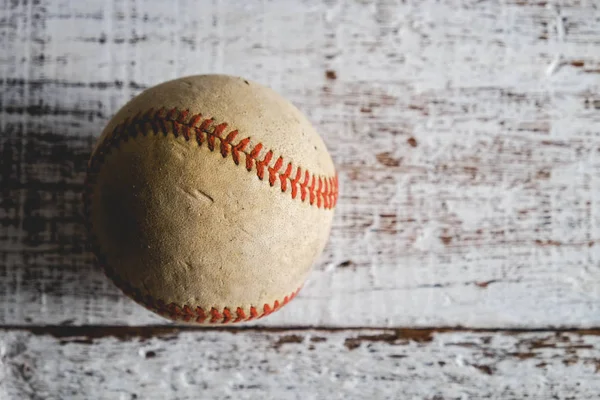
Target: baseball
(209, 198)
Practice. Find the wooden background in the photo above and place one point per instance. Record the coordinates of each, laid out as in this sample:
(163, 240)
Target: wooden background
(464, 261)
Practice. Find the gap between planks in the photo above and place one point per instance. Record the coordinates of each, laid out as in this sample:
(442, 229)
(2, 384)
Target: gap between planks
(149, 331)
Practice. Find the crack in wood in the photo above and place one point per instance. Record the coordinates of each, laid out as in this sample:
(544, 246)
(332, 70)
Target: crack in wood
(388, 335)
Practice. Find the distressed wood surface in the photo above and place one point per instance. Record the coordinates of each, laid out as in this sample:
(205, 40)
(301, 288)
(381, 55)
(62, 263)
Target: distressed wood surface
(164, 363)
(466, 135)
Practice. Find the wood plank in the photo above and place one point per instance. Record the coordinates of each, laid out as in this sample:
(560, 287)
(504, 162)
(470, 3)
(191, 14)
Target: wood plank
(468, 155)
(160, 363)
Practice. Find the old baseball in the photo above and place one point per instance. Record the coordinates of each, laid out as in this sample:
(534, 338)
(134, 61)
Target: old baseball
(209, 198)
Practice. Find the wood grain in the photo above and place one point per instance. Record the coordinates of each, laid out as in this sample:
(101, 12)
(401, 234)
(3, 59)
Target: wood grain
(466, 135)
(126, 363)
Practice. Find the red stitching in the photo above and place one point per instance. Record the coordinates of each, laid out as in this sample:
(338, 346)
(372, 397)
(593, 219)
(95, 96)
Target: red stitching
(253, 314)
(205, 124)
(260, 165)
(283, 178)
(216, 134)
(267, 309)
(253, 154)
(179, 122)
(189, 313)
(319, 192)
(216, 316)
(226, 315)
(235, 150)
(303, 185)
(312, 191)
(295, 182)
(183, 116)
(172, 114)
(200, 312)
(195, 120)
(333, 191)
(226, 143)
(273, 171)
(240, 315)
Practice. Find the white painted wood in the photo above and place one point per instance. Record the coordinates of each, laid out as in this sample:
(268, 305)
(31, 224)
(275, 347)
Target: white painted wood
(301, 365)
(466, 136)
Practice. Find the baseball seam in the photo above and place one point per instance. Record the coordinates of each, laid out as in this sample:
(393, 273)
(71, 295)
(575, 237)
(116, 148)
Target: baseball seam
(320, 191)
(195, 314)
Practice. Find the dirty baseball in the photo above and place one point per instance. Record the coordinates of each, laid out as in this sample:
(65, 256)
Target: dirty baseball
(209, 198)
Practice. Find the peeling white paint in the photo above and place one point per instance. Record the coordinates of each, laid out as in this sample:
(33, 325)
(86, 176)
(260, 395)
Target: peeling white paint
(469, 178)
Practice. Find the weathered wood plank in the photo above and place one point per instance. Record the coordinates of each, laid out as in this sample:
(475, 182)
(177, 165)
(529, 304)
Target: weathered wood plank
(466, 135)
(303, 364)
